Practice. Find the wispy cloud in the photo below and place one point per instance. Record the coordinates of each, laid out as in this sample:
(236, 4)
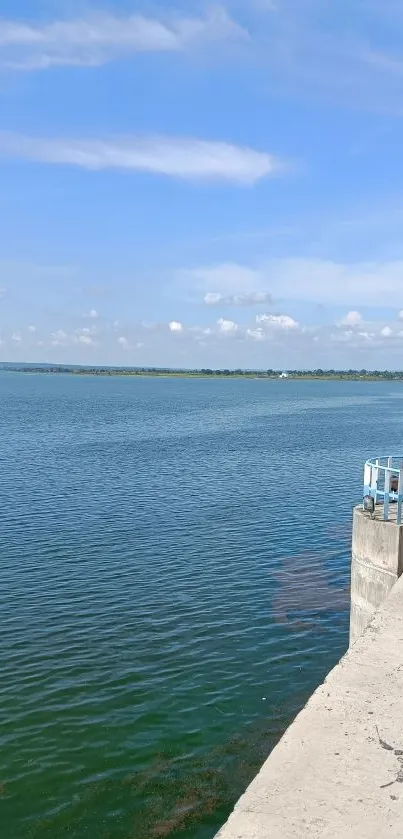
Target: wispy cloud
(254, 298)
(298, 45)
(307, 279)
(187, 158)
(59, 338)
(307, 50)
(100, 37)
(98, 290)
(228, 278)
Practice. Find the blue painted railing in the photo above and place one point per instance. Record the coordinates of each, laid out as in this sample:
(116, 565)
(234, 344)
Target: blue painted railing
(383, 481)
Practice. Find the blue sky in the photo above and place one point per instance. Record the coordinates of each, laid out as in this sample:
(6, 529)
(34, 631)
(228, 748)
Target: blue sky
(202, 184)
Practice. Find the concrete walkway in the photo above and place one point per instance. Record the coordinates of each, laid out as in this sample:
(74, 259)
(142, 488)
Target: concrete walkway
(333, 775)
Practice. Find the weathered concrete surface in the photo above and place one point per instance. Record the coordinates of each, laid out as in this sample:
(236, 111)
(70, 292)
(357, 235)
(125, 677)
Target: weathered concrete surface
(332, 776)
(377, 563)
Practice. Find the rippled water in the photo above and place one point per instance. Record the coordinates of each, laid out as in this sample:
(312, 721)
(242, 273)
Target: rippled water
(173, 585)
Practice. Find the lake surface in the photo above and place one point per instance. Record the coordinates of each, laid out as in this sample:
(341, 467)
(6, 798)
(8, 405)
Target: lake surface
(173, 585)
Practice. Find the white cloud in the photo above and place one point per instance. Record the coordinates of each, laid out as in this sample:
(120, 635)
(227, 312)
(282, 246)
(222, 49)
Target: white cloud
(187, 158)
(257, 334)
(101, 37)
(277, 321)
(400, 315)
(342, 337)
(213, 298)
(253, 298)
(352, 319)
(360, 337)
(32, 328)
(16, 337)
(87, 330)
(229, 327)
(228, 278)
(306, 279)
(226, 343)
(59, 338)
(93, 314)
(84, 339)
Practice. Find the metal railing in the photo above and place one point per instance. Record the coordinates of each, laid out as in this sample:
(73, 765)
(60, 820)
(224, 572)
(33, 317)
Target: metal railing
(383, 481)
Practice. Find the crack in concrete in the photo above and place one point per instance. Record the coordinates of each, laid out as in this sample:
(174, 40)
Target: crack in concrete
(399, 754)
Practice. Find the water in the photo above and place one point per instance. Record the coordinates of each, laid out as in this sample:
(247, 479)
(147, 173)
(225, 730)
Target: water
(173, 585)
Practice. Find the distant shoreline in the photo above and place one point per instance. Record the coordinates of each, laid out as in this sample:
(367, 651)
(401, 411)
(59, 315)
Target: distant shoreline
(268, 375)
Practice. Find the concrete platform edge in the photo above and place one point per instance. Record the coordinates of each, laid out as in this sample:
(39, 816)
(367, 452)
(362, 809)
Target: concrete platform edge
(338, 770)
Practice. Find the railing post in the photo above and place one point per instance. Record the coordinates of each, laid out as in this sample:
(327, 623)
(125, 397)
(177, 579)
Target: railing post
(374, 481)
(386, 495)
(367, 478)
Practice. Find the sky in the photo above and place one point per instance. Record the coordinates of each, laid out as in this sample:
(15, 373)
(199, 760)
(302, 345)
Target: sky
(196, 184)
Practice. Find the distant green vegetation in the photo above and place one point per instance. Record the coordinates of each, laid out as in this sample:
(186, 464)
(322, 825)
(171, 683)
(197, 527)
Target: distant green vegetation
(355, 375)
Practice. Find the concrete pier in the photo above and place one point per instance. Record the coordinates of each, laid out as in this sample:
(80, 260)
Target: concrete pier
(338, 770)
(376, 564)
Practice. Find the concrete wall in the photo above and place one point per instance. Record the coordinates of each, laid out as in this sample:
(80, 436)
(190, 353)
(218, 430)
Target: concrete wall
(377, 563)
(338, 770)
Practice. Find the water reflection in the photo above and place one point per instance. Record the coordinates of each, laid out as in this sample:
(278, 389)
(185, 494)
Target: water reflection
(307, 589)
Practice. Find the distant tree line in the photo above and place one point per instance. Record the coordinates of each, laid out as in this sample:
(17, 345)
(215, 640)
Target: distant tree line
(206, 372)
